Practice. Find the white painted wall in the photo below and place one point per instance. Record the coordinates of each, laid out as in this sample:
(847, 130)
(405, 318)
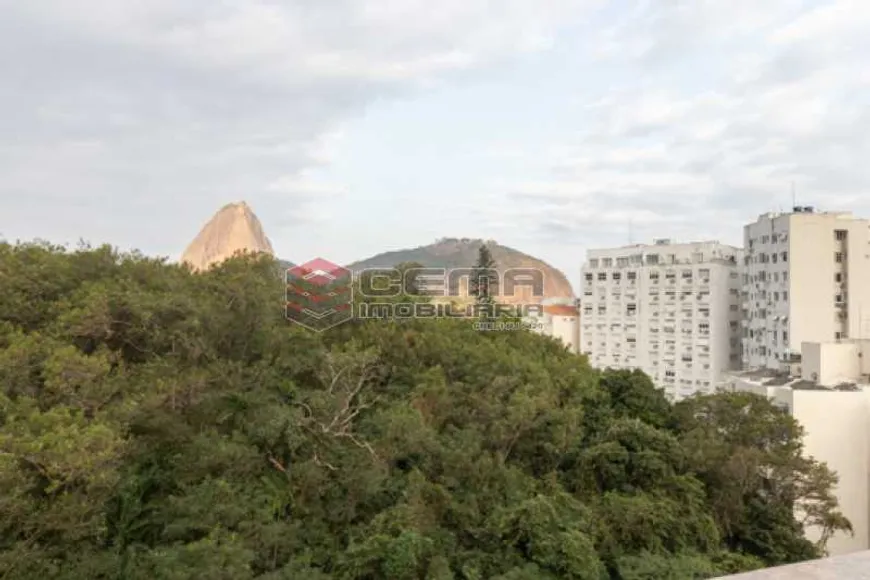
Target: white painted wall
(835, 362)
(566, 329)
(559, 326)
(837, 425)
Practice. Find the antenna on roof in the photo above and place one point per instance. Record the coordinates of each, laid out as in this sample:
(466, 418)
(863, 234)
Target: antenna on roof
(630, 237)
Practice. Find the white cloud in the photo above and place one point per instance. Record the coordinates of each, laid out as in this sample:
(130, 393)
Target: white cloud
(116, 111)
(710, 109)
(704, 138)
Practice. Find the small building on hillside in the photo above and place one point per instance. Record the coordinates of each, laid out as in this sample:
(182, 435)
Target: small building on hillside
(559, 319)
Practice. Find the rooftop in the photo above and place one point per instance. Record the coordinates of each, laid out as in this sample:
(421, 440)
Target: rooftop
(664, 242)
(807, 210)
(560, 310)
(774, 378)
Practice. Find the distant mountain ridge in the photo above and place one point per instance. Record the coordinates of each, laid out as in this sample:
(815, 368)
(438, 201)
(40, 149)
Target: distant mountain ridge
(235, 228)
(462, 253)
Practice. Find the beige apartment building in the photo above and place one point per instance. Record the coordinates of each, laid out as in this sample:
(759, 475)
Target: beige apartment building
(669, 309)
(806, 278)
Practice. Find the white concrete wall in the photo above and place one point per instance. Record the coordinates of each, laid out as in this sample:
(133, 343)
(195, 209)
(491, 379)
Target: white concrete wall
(832, 363)
(837, 426)
(566, 329)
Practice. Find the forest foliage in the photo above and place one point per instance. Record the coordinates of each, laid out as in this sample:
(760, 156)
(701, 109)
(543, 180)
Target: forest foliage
(159, 424)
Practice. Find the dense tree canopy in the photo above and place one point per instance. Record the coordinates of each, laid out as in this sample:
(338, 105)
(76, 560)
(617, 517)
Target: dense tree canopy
(159, 424)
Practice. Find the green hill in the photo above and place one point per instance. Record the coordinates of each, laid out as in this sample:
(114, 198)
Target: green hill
(462, 253)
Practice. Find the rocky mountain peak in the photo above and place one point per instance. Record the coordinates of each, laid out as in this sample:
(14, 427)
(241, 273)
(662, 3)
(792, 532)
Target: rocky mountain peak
(234, 228)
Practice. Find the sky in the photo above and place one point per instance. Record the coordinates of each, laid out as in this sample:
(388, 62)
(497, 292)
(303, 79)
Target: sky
(354, 127)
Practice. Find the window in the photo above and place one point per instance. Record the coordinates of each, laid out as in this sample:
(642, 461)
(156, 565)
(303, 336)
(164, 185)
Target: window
(617, 276)
(593, 263)
(773, 258)
(838, 277)
(587, 310)
(785, 276)
(785, 256)
(785, 295)
(652, 259)
(607, 262)
(631, 275)
(654, 276)
(631, 309)
(840, 235)
(602, 276)
(602, 310)
(589, 277)
(838, 257)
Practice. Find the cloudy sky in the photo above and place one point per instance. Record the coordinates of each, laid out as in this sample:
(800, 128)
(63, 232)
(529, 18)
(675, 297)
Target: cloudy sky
(358, 126)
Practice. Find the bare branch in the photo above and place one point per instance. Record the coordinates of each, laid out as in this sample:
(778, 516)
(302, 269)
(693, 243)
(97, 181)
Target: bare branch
(362, 444)
(277, 464)
(308, 412)
(322, 463)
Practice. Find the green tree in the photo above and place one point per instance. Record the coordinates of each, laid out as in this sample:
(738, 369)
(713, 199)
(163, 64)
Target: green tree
(483, 283)
(156, 423)
(749, 454)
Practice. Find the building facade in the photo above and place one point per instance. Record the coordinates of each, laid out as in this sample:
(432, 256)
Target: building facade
(828, 394)
(671, 310)
(806, 278)
(560, 321)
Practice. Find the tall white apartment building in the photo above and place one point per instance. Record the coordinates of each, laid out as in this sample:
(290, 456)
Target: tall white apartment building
(806, 278)
(671, 310)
